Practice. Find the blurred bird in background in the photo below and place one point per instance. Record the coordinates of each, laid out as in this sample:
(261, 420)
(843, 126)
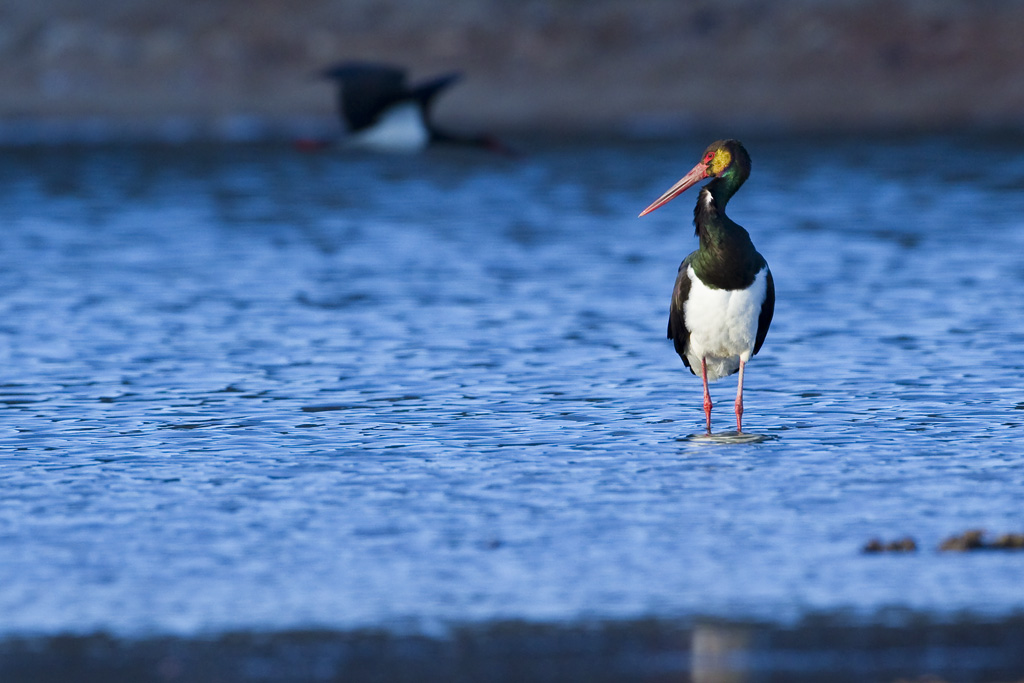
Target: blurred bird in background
(380, 111)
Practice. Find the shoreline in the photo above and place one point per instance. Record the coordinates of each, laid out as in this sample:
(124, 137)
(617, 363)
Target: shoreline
(95, 132)
(599, 66)
(841, 649)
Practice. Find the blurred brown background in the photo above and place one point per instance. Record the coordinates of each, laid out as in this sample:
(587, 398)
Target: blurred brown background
(243, 67)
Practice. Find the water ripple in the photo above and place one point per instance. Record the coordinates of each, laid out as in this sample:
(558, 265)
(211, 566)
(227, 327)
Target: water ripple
(371, 390)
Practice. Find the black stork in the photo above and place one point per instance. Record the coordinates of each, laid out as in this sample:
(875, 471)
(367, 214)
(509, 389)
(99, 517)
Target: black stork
(724, 295)
(381, 112)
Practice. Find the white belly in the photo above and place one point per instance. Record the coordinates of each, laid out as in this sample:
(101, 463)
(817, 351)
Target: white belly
(400, 129)
(722, 324)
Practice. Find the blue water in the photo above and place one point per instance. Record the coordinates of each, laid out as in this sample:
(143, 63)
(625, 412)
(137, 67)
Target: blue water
(248, 388)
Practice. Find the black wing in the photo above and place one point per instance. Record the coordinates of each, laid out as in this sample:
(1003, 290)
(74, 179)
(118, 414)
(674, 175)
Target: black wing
(366, 90)
(767, 311)
(677, 331)
(426, 92)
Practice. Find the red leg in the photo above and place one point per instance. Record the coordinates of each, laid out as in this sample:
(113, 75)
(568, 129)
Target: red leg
(739, 399)
(707, 394)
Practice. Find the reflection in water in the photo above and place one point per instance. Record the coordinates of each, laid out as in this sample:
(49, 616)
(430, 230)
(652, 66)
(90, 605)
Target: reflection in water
(727, 438)
(720, 654)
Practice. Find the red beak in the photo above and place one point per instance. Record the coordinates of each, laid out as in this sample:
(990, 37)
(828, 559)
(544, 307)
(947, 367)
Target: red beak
(699, 173)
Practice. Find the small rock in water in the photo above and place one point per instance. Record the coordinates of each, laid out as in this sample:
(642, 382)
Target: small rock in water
(1010, 542)
(975, 540)
(968, 540)
(904, 545)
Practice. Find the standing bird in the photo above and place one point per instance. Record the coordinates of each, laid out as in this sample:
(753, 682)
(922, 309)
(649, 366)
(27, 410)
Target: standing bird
(381, 112)
(724, 295)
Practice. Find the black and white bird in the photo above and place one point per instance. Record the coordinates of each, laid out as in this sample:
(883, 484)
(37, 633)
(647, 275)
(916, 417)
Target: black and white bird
(381, 112)
(724, 296)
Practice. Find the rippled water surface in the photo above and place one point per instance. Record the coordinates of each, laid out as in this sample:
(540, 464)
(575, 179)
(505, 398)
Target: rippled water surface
(245, 387)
